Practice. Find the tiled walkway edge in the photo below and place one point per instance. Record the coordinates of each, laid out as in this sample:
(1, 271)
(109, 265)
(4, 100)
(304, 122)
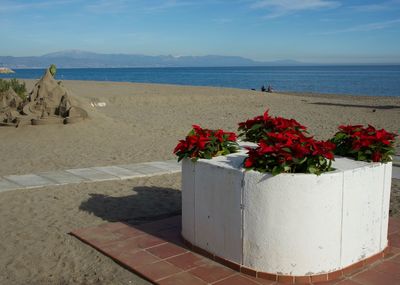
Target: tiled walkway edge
(105, 173)
(156, 252)
(91, 174)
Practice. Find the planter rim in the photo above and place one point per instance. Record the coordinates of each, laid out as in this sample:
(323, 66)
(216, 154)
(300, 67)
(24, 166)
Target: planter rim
(332, 172)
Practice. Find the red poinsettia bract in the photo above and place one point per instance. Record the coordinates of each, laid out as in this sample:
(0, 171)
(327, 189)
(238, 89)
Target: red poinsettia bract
(205, 143)
(290, 151)
(364, 143)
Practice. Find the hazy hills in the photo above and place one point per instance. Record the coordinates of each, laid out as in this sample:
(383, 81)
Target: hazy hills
(83, 59)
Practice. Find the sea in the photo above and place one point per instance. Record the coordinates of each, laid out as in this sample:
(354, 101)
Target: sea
(366, 80)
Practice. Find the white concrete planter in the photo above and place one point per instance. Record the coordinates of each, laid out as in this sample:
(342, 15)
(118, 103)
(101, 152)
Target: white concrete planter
(290, 224)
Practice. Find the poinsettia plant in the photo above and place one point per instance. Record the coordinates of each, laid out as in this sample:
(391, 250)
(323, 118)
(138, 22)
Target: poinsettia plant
(284, 146)
(290, 151)
(255, 129)
(364, 143)
(205, 143)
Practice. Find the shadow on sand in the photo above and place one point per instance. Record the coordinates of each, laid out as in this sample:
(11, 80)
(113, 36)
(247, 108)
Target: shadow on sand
(146, 204)
(384, 107)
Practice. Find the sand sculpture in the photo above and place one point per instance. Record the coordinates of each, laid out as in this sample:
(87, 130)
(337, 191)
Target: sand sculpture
(48, 103)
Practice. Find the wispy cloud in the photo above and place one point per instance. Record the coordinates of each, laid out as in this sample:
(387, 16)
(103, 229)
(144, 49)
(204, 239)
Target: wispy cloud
(278, 8)
(377, 7)
(364, 28)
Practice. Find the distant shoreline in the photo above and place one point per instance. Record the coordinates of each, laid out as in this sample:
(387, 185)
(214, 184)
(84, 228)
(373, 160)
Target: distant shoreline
(206, 67)
(350, 80)
(283, 93)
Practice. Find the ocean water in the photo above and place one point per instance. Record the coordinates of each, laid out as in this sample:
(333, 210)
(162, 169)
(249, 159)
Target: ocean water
(370, 80)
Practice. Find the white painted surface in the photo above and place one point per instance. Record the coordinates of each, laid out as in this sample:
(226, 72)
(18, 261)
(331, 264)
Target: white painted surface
(386, 206)
(188, 222)
(217, 208)
(363, 190)
(291, 224)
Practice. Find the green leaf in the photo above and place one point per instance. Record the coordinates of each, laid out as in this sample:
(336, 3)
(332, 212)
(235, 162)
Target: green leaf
(312, 169)
(277, 170)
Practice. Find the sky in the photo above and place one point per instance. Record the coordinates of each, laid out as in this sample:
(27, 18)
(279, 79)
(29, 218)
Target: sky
(316, 31)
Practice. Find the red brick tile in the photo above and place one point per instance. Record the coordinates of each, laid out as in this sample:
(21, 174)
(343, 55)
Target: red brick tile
(260, 281)
(183, 278)
(286, 279)
(127, 243)
(248, 271)
(347, 282)
(335, 275)
(139, 258)
(96, 235)
(268, 276)
(332, 282)
(202, 252)
(319, 278)
(391, 252)
(130, 245)
(157, 270)
(396, 259)
(354, 268)
(388, 267)
(187, 244)
(212, 272)
(129, 232)
(147, 241)
(373, 259)
(187, 260)
(302, 279)
(372, 277)
(236, 280)
(394, 240)
(228, 263)
(118, 250)
(172, 236)
(394, 226)
(113, 226)
(166, 250)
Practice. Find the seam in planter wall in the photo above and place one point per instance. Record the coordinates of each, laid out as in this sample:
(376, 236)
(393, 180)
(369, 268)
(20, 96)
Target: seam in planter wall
(194, 204)
(242, 205)
(341, 222)
(383, 197)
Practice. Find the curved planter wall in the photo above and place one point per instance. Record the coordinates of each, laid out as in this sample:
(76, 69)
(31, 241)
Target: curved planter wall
(290, 224)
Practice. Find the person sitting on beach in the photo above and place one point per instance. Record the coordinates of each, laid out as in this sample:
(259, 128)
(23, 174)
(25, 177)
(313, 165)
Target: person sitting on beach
(263, 88)
(269, 90)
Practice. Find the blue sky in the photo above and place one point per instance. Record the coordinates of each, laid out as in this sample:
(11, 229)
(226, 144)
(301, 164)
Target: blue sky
(320, 31)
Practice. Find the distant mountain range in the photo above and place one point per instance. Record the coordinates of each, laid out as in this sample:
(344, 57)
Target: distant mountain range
(84, 59)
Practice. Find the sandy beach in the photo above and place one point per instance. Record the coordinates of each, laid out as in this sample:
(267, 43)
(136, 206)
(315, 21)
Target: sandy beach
(140, 122)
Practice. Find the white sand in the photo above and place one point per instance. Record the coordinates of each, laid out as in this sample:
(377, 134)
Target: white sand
(143, 122)
(139, 123)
